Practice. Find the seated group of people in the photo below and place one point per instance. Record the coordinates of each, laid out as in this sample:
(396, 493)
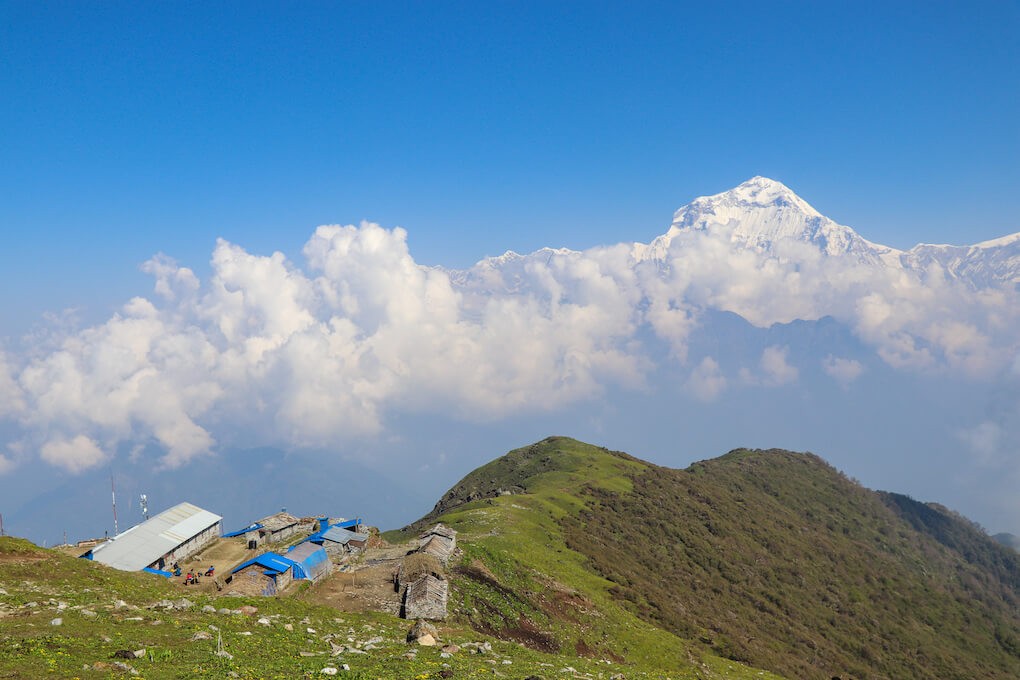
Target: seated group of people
(192, 575)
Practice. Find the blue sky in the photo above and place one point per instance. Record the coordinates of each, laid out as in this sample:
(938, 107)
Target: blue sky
(482, 127)
(479, 127)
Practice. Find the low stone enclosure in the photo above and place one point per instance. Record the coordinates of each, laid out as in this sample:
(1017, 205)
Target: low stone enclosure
(422, 575)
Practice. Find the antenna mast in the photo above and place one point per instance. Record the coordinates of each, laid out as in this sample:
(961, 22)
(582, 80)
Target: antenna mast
(113, 495)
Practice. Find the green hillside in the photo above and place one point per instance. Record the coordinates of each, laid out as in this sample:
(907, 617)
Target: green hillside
(578, 562)
(65, 617)
(771, 558)
(518, 580)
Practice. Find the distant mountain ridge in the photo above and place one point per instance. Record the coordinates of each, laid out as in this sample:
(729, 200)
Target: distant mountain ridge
(764, 214)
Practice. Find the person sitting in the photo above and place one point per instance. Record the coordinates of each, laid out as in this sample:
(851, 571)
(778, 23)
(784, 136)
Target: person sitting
(177, 570)
(210, 570)
(190, 578)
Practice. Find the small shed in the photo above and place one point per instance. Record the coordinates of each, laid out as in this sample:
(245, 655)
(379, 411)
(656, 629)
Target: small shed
(268, 530)
(268, 574)
(310, 561)
(440, 541)
(426, 598)
(339, 542)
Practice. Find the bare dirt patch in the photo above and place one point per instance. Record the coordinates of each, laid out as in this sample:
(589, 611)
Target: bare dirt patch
(224, 554)
(364, 585)
(524, 631)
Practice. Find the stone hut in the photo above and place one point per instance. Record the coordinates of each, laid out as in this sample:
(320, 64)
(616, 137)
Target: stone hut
(267, 575)
(426, 598)
(339, 542)
(440, 541)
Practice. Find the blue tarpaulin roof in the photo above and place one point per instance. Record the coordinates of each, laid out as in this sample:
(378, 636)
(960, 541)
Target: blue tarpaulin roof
(326, 528)
(253, 527)
(274, 564)
(158, 572)
(311, 561)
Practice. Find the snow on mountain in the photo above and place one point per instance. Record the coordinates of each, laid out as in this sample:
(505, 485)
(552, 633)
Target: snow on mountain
(981, 265)
(761, 213)
(764, 215)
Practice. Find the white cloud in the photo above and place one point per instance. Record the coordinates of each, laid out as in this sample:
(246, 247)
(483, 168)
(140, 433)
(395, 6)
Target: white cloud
(77, 454)
(320, 356)
(844, 371)
(706, 381)
(775, 367)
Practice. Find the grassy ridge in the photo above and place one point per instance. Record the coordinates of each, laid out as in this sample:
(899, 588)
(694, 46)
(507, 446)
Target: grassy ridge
(520, 581)
(776, 559)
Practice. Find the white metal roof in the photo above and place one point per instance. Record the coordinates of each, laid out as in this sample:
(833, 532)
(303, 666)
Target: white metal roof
(144, 543)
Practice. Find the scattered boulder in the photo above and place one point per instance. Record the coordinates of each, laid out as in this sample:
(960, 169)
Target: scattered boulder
(248, 610)
(451, 649)
(128, 654)
(201, 635)
(89, 614)
(427, 640)
(57, 621)
(329, 670)
(183, 603)
(264, 621)
(209, 609)
(421, 629)
(123, 667)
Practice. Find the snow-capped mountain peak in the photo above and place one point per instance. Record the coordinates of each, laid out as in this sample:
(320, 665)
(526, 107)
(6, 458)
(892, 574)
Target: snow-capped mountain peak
(760, 213)
(767, 216)
(760, 192)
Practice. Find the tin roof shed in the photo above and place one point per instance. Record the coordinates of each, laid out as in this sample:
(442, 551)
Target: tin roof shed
(340, 535)
(145, 543)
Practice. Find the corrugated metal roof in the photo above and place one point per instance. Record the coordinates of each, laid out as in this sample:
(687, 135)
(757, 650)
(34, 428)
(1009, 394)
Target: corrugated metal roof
(144, 543)
(341, 535)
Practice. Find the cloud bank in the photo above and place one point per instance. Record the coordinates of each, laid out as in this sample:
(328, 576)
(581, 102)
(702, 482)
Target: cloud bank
(324, 354)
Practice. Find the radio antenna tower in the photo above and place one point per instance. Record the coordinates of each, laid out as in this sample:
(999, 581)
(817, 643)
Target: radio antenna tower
(113, 495)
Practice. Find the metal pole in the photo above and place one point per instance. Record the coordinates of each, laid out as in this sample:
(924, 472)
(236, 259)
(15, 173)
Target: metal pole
(113, 494)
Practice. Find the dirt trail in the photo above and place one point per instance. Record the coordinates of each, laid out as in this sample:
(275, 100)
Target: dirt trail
(367, 585)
